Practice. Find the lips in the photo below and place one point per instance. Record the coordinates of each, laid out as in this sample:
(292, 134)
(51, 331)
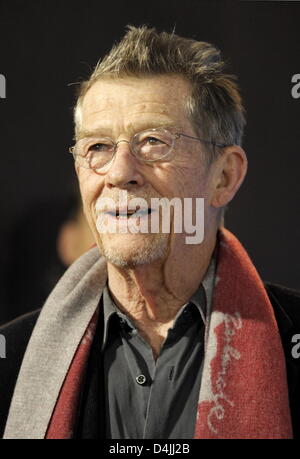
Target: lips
(127, 213)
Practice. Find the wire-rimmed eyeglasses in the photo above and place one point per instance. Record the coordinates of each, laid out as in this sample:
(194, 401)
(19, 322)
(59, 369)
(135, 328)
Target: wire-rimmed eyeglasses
(149, 145)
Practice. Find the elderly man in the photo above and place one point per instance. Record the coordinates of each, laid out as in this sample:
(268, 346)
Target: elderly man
(161, 336)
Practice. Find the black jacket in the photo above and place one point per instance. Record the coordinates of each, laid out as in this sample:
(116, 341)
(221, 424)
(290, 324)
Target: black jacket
(286, 304)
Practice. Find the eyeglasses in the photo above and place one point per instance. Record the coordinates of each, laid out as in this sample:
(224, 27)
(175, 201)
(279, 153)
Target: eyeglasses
(149, 146)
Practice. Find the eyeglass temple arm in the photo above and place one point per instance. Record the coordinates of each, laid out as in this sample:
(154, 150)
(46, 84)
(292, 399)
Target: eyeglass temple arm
(221, 145)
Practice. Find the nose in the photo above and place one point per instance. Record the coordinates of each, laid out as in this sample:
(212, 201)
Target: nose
(124, 171)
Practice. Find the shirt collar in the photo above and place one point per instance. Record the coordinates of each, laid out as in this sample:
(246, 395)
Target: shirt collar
(109, 310)
(202, 297)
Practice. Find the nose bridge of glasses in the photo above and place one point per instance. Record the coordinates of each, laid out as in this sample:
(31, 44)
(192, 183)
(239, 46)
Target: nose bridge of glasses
(122, 140)
(129, 142)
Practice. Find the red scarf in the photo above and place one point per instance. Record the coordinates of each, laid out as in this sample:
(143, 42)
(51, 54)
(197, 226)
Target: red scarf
(244, 391)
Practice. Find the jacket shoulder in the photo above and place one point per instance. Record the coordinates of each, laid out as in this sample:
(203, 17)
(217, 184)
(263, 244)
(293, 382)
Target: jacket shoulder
(23, 324)
(286, 304)
(283, 291)
(15, 335)
(286, 301)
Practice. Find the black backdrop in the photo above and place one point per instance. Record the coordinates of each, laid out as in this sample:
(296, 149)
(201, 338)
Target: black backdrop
(45, 45)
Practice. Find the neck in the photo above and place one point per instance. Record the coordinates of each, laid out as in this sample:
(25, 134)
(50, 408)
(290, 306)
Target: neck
(151, 294)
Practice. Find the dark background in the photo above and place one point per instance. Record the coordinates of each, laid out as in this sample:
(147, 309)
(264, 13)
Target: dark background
(46, 45)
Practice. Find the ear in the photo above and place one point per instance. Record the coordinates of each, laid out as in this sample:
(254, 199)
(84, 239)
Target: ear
(229, 173)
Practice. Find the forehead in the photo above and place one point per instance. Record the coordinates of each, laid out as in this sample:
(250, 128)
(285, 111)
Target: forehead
(132, 102)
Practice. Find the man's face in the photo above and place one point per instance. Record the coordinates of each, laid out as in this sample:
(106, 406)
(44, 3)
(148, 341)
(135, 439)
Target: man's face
(119, 108)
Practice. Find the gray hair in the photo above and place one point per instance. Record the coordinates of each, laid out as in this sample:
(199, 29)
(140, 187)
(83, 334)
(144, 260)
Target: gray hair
(214, 107)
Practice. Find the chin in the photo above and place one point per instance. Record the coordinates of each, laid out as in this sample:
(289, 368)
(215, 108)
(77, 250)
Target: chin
(128, 251)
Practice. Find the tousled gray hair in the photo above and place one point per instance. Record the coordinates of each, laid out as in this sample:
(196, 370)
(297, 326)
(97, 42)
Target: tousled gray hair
(214, 107)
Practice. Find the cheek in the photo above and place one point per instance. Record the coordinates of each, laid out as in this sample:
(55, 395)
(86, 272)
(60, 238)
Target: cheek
(88, 182)
(182, 180)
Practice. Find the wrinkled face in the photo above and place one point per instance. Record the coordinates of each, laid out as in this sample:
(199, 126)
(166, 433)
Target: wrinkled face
(118, 109)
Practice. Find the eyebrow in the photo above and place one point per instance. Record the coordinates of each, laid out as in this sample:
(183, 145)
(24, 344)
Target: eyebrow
(103, 132)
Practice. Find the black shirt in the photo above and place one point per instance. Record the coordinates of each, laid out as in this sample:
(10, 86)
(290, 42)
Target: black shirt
(145, 398)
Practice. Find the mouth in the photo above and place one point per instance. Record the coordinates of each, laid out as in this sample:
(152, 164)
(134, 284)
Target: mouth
(128, 213)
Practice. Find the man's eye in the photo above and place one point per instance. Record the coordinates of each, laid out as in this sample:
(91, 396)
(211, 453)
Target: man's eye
(154, 141)
(97, 147)
(104, 147)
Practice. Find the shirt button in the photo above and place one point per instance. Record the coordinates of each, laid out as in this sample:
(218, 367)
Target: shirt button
(141, 379)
